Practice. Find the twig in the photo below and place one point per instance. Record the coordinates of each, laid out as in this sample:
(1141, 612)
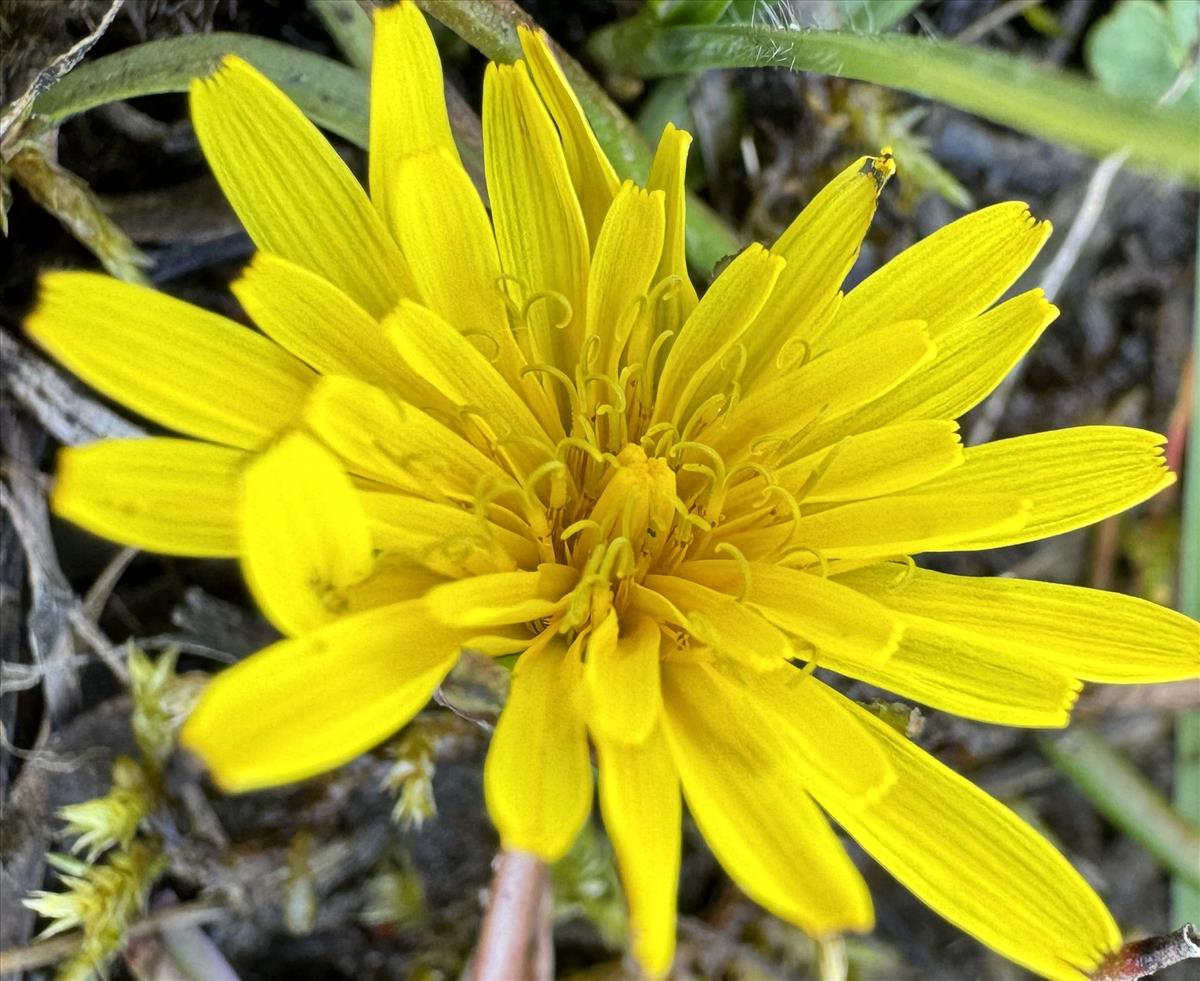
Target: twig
(176, 950)
(1142, 958)
(49, 951)
(70, 416)
(55, 70)
(514, 941)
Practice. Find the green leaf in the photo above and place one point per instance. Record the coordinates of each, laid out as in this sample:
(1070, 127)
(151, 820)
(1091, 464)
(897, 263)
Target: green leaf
(1051, 104)
(1185, 897)
(350, 27)
(1184, 16)
(1134, 51)
(332, 95)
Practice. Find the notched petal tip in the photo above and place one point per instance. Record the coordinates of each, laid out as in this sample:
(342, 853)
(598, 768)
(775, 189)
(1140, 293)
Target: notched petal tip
(228, 69)
(1042, 225)
(1156, 444)
(527, 34)
(1070, 697)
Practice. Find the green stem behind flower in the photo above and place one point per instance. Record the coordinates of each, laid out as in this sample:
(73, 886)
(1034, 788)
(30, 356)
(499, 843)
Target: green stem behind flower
(1044, 102)
(1185, 897)
(1125, 798)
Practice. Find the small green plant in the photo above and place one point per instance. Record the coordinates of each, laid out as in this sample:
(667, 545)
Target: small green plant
(103, 893)
(1140, 48)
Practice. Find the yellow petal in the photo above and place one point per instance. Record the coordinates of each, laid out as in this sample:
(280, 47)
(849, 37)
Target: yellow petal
(825, 387)
(394, 443)
(820, 246)
(743, 777)
(460, 371)
(828, 615)
(951, 276)
(316, 321)
(497, 599)
(627, 254)
(972, 358)
(639, 798)
(621, 678)
(592, 175)
(176, 364)
(668, 172)
(449, 539)
(1088, 633)
(305, 536)
(968, 676)
(875, 463)
(538, 775)
(291, 190)
(408, 105)
(726, 310)
(394, 578)
(308, 704)
(451, 253)
(175, 496)
(540, 231)
(837, 752)
(448, 243)
(910, 523)
(721, 622)
(976, 864)
(1073, 477)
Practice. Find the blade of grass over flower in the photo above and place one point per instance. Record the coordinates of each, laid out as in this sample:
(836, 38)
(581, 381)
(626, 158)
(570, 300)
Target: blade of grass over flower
(1037, 100)
(1125, 798)
(490, 26)
(332, 95)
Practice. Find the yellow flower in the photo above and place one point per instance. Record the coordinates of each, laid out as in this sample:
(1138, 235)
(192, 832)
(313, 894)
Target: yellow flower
(515, 428)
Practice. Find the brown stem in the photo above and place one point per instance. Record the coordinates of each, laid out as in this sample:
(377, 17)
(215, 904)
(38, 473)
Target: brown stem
(1142, 958)
(515, 939)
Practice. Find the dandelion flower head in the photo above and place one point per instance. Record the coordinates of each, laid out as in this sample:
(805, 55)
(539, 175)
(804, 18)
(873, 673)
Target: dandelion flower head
(512, 426)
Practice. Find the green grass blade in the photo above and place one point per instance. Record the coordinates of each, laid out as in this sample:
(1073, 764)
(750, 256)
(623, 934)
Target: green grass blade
(1185, 897)
(1041, 101)
(332, 95)
(350, 27)
(1128, 800)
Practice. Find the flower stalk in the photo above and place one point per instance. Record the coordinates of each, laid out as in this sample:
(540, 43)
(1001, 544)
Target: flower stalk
(515, 940)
